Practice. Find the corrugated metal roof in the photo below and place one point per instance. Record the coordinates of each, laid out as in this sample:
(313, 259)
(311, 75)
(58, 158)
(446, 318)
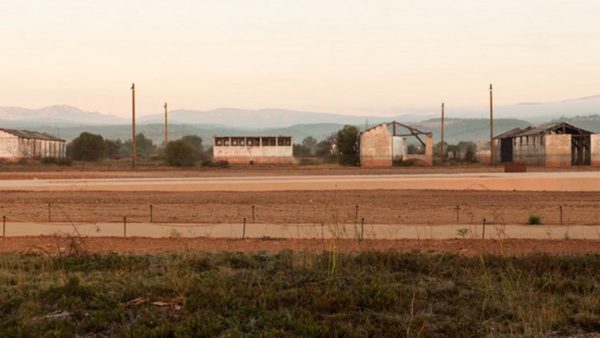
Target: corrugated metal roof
(28, 134)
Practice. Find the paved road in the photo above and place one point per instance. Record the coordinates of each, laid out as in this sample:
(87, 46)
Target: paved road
(306, 231)
(539, 181)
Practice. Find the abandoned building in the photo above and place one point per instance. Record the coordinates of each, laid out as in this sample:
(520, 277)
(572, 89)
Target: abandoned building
(253, 149)
(552, 145)
(19, 144)
(383, 145)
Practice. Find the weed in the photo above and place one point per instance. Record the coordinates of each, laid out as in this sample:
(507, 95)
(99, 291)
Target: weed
(535, 219)
(463, 232)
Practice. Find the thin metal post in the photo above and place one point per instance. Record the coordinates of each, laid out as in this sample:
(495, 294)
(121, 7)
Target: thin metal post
(561, 214)
(244, 230)
(322, 231)
(3, 226)
(252, 213)
(356, 215)
(49, 213)
(491, 124)
(362, 228)
(133, 145)
(483, 233)
(457, 214)
(124, 226)
(151, 214)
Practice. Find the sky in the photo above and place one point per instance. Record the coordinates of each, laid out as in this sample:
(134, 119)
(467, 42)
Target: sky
(377, 57)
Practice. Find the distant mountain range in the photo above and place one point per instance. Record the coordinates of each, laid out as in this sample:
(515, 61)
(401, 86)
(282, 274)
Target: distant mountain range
(67, 121)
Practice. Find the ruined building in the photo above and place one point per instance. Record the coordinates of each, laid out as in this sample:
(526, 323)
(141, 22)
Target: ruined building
(386, 143)
(253, 149)
(19, 144)
(552, 145)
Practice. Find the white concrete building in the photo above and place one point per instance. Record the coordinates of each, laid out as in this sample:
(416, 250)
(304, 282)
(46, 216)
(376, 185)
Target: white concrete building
(253, 149)
(18, 144)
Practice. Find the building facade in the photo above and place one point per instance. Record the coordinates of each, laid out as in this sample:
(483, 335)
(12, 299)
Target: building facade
(551, 145)
(19, 144)
(384, 144)
(253, 149)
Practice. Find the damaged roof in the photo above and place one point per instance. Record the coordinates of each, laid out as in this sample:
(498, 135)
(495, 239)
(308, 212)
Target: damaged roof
(546, 128)
(34, 135)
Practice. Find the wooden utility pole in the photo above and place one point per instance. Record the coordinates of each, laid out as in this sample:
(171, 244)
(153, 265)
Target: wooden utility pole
(442, 144)
(166, 126)
(491, 124)
(133, 125)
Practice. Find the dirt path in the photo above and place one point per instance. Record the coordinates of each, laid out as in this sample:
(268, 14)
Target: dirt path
(550, 181)
(63, 245)
(328, 207)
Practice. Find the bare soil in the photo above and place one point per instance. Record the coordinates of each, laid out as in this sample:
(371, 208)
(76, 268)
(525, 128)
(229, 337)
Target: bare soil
(425, 207)
(95, 171)
(54, 245)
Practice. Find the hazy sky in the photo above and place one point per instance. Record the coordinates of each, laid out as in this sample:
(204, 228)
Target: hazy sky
(345, 56)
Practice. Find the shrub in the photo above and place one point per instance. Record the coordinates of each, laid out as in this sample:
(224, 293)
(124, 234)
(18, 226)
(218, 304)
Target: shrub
(49, 160)
(86, 147)
(217, 164)
(180, 154)
(535, 219)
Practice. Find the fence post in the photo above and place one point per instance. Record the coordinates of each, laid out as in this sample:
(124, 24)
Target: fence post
(362, 228)
(49, 213)
(561, 215)
(356, 215)
(252, 213)
(151, 216)
(124, 226)
(244, 229)
(3, 226)
(322, 231)
(457, 214)
(483, 233)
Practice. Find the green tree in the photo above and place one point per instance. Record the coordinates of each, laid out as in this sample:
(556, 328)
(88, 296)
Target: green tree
(113, 149)
(300, 150)
(345, 143)
(195, 142)
(86, 147)
(310, 143)
(144, 147)
(180, 154)
(324, 149)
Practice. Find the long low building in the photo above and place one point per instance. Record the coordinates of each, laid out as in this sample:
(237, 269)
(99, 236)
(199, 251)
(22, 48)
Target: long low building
(253, 149)
(552, 145)
(19, 144)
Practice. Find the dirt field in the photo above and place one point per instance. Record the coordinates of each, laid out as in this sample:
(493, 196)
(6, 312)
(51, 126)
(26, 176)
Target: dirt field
(377, 207)
(77, 171)
(63, 245)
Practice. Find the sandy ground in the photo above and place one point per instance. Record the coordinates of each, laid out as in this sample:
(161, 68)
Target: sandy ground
(283, 207)
(547, 181)
(305, 231)
(71, 245)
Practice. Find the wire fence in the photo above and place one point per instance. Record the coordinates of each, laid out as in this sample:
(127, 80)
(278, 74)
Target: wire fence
(319, 221)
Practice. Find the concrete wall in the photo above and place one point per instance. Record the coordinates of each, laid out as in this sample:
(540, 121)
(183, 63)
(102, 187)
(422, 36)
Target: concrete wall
(13, 147)
(257, 154)
(9, 146)
(530, 149)
(557, 150)
(376, 147)
(428, 156)
(399, 148)
(595, 149)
